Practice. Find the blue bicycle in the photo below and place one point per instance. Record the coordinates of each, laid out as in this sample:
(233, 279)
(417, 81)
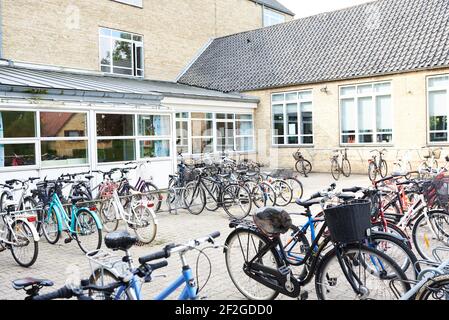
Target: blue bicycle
(113, 270)
(80, 223)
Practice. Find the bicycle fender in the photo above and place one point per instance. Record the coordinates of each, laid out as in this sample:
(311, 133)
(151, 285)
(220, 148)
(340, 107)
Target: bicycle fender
(398, 237)
(94, 215)
(32, 228)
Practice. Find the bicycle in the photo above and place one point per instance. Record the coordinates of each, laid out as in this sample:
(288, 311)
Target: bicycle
(255, 255)
(403, 165)
(340, 164)
(18, 235)
(430, 162)
(129, 278)
(303, 166)
(137, 214)
(83, 223)
(223, 194)
(377, 165)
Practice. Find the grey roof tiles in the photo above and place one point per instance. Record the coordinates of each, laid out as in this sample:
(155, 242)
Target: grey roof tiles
(382, 37)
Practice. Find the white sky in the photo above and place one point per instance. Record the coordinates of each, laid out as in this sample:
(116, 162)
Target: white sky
(305, 8)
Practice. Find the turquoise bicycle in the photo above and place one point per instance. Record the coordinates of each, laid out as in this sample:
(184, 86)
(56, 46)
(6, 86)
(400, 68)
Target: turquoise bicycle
(81, 224)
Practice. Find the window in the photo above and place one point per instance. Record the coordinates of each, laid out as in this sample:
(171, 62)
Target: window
(199, 133)
(116, 138)
(154, 136)
(438, 105)
(17, 138)
(182, 132)
(63, 138)
(271, 17)
(121, 139)
(202, 133)
(136, 3)
(366, 114)
(292, 118)
(121, 53)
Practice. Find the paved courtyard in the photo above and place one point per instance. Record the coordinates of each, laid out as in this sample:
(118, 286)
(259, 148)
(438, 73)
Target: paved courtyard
(61, 261)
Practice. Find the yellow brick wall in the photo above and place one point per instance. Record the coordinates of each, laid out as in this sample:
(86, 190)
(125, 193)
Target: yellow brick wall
(409, 101)
(65, 32)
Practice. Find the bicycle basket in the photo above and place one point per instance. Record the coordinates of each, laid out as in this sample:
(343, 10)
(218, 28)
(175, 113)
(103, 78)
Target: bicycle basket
(436, 192)
(190, 175)
(297, 155)
(349, 223)
(103, 262)
(437, 154)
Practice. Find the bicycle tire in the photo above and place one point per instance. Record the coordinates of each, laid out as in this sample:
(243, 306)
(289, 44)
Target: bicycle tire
(31, 242)
(190, 187)
(372, 171)
(235, 191)
(235, 269)
(348, 170)
(355, 250)
(383, 170)
(433, 287)
(335, 169)
(54, 217)
(97, 241)
(428, 235)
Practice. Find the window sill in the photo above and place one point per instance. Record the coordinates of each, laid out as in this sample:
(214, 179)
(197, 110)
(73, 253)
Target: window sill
(293, 146)
(366, 145)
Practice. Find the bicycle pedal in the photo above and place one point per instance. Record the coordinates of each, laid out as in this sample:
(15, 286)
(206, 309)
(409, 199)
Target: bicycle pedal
(284, 270)
(68, 240)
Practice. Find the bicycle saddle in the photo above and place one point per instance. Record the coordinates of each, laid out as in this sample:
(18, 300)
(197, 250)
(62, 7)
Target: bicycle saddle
(308, 203)
(76, 199)
(28, 282)
(120, 240)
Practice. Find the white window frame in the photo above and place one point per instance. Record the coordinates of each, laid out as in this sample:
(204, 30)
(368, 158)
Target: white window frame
(272, 17)
(215, 132)
(133, 42)
(373, 95)
(299, 101)
(213, 136)
(135, 137)
(435, 89)
(189, 139)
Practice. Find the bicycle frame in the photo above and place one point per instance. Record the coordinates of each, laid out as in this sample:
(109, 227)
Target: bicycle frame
(188, 293)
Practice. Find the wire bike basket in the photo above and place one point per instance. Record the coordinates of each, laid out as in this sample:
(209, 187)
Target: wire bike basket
(436, 191)
(297, 156)
(102, 262)
(349, 223)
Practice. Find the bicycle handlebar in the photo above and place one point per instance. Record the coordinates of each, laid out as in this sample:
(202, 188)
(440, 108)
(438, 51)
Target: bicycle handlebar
(63, 293)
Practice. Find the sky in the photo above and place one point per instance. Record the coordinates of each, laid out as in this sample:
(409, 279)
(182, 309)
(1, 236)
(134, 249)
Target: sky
(305, 8)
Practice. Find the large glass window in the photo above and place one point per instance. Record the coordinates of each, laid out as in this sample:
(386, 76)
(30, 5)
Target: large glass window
(17, 138)
(63, 138)
(366, 114)
(271, 17)
(119, 139)
(438, 104)
(197, 132)
(121, 52)
(292, 118)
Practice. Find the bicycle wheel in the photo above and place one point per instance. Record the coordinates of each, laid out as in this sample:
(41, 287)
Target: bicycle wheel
(435, 289)
(214, 189)
(194, 198)
(242, 246)
(335, 169)
(236, 201)
(144, 224)
(393, 229)
(398, 250)
(297, 188)
(50, 227)
(346, 168)
(429, 234)
(372, 171)
(87, 233)
(153, 194)
(304, 167)
(24, 248)
(383, 170)
(371, 271)
(108, 216)
(284, 194)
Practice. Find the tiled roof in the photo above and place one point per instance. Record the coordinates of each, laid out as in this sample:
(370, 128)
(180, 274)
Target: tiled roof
(276, 5)
(382, 37)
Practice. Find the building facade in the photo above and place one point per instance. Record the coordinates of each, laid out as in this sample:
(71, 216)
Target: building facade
(153, 39)
(360, 78)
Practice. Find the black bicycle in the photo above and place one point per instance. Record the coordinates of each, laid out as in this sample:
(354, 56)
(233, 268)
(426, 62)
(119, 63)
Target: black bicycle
(303, 166)
(261, 269)
(377, 165)
(217, 192)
